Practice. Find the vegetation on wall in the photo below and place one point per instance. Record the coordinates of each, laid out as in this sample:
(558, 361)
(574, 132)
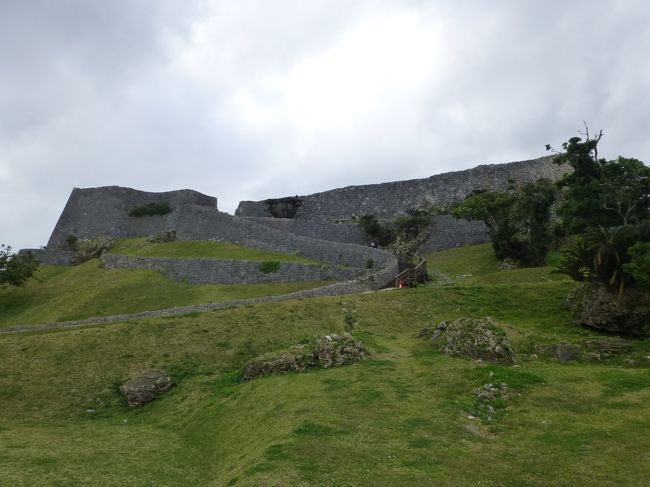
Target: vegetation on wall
(404, 234)
(269, 266)
(151, 209)
(283, 207)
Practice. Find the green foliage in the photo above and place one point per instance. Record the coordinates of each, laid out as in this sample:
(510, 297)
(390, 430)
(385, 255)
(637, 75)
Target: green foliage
(413, 224)
(601, 192)
(151, 209)
(518, 221)
(374, 230)
(370, 263)
(269, 266)
(16, 269)
(602, 254)
(639, 264)
(71, 241)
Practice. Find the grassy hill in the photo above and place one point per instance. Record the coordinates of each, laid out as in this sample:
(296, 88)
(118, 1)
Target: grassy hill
(60, 293)
(406, 415)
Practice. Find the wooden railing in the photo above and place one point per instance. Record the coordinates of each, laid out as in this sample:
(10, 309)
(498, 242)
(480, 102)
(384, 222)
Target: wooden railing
(413, 269)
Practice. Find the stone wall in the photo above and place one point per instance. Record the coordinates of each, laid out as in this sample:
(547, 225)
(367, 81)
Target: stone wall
(104, 212)
(336, 232)
(448, 232)
(207, 224)
(51, 257)
(222, 271)
(394, 198)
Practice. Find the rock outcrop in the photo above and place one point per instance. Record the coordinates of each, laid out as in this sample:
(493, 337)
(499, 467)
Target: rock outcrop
(480, 339)
(323, 352)
(595, 306)
(146, 386)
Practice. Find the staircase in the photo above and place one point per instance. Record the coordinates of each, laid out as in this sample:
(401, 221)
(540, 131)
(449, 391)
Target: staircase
(412, 270)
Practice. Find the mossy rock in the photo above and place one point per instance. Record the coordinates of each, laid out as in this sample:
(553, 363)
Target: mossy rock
(323, 352)
(479, 339)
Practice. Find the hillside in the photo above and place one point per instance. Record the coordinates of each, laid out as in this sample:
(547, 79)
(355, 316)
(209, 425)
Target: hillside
(406, 415)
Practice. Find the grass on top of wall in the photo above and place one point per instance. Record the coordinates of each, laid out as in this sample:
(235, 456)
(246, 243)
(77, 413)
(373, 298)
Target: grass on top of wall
(201, 248)
(59, 293)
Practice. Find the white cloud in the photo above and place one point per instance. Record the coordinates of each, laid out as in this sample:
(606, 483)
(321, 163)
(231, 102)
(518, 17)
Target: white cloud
(250, 99)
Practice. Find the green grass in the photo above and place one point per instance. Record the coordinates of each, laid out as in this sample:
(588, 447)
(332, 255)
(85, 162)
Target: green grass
(399, 417)
(68, 293)
(218, 250)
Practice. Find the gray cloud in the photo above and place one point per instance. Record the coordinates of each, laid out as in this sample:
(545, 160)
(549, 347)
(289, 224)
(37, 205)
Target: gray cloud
(250, 99)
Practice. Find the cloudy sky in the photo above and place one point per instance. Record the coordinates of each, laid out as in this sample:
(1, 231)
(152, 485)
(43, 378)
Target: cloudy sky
(249, 99)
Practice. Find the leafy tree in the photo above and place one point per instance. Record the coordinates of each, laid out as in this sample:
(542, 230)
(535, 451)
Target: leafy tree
(413, 224)
(600, 192)
(16, 269)
(374, 230)
(518, 221)
(639, 264)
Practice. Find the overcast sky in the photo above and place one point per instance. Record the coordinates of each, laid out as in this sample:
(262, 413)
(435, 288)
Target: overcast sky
(249, 99)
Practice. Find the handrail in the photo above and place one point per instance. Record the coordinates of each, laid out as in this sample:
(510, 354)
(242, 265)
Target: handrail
(412, 274)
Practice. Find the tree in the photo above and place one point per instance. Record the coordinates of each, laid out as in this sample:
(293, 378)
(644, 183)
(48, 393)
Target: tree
(518, 221)
(600, 192)
(16, 269)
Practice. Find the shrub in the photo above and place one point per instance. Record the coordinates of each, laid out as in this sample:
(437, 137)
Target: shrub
(71, 241)
(269, 266)
(639, 265)
(151, 209)
(374, 230)
(16, 269)
(370, 264)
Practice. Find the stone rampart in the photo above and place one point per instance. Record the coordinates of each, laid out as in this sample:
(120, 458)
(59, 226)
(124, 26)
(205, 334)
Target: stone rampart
(222, 271)
(394, 198)
(104, 212)
(51, 257)
(448, 232)
(336, 232)
(207, 224)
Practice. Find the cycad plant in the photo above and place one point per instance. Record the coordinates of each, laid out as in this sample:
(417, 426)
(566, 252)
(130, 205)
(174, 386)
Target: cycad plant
(599, 256)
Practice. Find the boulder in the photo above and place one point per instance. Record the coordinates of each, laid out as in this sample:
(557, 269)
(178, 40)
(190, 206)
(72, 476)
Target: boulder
(595, 306)
(323, 352)
(146, 386)
(566, 352)
(607, 346)
(474, 338)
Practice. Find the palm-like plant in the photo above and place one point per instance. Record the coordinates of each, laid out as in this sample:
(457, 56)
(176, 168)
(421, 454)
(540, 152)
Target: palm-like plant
(577, 259)
(609, 247)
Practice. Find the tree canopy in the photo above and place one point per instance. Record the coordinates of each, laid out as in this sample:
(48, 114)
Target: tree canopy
(16, 269)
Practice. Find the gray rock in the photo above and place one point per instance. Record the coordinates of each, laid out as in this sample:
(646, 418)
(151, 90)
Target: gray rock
(608, 346)
(595, 306)
(480, 339)
(566, 352)
(323, 352)
(146, 386)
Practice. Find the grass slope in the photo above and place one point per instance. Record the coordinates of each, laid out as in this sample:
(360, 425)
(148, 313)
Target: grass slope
(400, 417)
(217, 250)
(61, 293)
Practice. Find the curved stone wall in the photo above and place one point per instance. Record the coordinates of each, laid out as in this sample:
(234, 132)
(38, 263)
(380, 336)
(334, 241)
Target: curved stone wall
(336, 232)
(222, 271)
